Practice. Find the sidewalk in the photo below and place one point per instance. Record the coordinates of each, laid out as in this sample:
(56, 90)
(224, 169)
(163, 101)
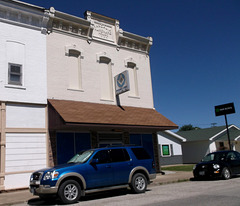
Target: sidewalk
(22, 196)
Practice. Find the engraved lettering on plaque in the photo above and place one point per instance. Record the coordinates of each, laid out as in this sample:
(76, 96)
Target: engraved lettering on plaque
(102, 30)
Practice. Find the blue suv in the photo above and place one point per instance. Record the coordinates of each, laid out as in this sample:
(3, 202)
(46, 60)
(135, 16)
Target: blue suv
(95, 170)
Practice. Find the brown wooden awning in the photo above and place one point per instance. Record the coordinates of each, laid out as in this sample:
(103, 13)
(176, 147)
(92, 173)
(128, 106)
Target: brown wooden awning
(90, 114)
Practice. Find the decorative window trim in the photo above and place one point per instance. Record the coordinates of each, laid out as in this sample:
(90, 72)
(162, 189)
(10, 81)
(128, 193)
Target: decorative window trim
(104, 54)
(73, 47)
(15, 86)
(135, 81)
(77, 49)
(130, 60)
(163, 154)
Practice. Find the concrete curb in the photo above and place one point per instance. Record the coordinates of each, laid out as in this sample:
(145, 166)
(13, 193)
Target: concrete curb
(23, 196)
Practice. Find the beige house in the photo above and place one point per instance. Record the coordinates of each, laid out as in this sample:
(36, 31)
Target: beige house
(203, 141)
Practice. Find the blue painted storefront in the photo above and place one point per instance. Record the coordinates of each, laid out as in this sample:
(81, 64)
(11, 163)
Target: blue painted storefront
(70, 143)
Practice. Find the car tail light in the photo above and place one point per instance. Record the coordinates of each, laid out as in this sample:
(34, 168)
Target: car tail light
(153, 164)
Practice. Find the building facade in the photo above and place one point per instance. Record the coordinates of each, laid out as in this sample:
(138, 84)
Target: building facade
(58, 89)
(23, 92)
(84, 111)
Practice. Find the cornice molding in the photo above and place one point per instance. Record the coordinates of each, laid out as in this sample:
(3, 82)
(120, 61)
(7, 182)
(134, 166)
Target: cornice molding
(99, 28)
(24, 15)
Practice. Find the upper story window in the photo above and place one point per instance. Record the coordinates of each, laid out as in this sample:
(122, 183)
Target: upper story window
(74, 67)
(15, 52)
(15, 74)
(133, 77)
(106, 81)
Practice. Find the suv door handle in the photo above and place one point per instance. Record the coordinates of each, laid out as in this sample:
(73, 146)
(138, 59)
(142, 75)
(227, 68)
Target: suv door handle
(130, 164)
(108, 166)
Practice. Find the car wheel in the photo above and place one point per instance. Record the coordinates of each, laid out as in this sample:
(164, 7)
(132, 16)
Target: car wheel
(226, 174)
(69, 192)
(139, 183)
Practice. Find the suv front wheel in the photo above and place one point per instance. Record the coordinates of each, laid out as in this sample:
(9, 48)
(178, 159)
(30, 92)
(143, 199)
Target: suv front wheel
(139, 183)
(69, 191)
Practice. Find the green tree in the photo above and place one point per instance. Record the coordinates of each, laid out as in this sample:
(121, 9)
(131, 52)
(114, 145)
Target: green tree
(188, 127)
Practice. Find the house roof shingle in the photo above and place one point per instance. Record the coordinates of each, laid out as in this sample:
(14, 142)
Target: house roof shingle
(208, 133)
(105, 114)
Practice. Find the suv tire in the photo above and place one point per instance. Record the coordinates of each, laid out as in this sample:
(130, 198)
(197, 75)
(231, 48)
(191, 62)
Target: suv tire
(139, 183)
(69, 192)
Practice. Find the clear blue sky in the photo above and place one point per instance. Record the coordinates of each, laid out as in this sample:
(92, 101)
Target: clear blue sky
(195, 57)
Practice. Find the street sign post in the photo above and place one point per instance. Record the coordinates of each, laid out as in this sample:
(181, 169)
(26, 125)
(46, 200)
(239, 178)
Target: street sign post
(225, 109)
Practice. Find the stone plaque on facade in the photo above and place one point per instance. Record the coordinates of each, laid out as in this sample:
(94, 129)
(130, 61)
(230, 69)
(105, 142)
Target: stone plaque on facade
(103, 31)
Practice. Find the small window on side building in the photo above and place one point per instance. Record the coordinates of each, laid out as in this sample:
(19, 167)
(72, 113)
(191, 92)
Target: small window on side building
(166, 150)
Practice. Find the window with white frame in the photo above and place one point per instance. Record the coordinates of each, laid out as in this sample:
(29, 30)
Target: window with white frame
(14, 74)
(166, 150)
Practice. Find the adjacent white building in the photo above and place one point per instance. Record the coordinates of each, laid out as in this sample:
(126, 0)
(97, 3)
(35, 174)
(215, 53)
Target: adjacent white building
(170, 147)
(23, 92)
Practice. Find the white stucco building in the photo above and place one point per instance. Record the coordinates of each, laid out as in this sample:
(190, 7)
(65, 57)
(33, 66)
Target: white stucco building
(57, 89)
(23, 92)
(84, 56)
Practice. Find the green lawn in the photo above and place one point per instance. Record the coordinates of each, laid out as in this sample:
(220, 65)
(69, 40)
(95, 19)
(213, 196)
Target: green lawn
(186, 168)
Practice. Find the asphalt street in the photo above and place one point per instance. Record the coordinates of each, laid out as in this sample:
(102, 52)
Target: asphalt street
(197, 193)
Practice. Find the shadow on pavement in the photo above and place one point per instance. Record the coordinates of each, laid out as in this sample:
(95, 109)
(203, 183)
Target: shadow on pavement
(95, 196)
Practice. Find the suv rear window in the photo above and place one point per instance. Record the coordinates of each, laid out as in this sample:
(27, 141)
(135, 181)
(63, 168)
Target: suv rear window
(140, 153)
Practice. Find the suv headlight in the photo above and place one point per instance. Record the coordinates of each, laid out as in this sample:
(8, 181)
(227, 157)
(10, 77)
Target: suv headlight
(51, 175)
(216, 166)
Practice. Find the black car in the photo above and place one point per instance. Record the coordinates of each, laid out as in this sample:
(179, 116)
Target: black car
(221, 164)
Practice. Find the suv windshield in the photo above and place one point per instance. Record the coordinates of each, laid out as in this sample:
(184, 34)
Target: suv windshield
(214, 156)
(81, 157)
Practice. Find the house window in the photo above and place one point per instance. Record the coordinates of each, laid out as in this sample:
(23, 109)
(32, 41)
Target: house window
(14, 74)
(74, 67)
(75, 73)
(106, 78)
(132, 68)
(166, 150)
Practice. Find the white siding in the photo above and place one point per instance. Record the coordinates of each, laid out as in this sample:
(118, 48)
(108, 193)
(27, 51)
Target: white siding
(213, 147)
(27, 47)
(25, 152)
(17, 181)
(25, 116)
(163, 138)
